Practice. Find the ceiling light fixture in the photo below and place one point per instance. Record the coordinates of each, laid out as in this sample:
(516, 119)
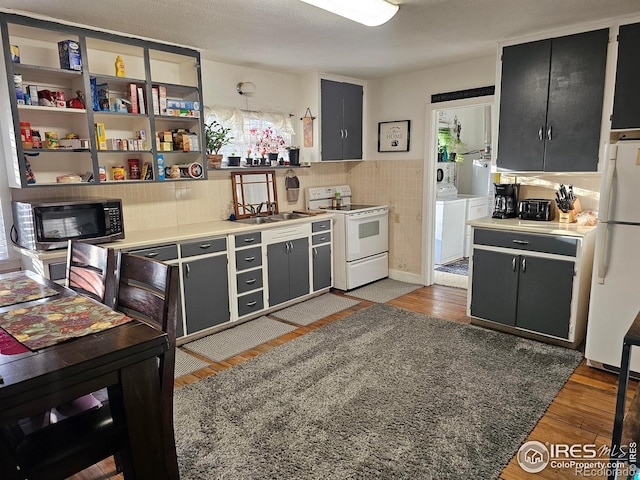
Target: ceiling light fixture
(368, 12)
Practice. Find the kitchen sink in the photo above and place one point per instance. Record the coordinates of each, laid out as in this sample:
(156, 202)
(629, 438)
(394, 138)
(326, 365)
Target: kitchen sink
(278, 217)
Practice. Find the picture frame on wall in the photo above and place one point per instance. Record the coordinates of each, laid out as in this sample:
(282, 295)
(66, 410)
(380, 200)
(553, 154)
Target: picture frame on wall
(394, 136)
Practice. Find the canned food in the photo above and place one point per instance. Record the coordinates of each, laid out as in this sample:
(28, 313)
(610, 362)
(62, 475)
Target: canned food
(102, 172)
(192, 170)
(118, 172)
(51, 140)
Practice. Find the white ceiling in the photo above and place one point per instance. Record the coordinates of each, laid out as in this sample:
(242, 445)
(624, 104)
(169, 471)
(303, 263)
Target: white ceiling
(294, 37)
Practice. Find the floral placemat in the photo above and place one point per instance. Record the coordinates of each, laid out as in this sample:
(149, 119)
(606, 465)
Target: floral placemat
(9, 345)
(59, 320)
(19, 288)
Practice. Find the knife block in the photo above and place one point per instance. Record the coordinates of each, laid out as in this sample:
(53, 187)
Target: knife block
(570, 216)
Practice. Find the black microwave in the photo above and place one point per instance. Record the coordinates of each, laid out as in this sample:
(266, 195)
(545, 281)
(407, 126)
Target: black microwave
(50, 225)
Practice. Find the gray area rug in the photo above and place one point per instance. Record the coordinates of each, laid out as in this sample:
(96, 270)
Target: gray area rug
(459, 267)
(233, 341)
(383, 290)
(186, 363)
(382, 393)
(314, 309)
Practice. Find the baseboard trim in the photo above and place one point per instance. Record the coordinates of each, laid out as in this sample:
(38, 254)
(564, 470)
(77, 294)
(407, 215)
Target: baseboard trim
(407, 277)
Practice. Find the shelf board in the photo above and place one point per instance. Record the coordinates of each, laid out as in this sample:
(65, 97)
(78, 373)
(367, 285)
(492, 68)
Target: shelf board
(172, 118)
(32, 151)
(113, 79)
(40, 70)
(121, 114)
(128, 152)
(178, 151)
(38, 108)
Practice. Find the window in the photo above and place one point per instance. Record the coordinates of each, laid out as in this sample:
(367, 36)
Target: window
(254, 132)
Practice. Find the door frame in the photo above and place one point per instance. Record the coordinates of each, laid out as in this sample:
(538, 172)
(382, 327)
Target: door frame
(429, 178)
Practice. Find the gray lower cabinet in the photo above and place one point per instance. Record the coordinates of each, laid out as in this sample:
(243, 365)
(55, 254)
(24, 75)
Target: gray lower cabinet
(206, 292)
(321, 267)
(288, 270)
(523, 290)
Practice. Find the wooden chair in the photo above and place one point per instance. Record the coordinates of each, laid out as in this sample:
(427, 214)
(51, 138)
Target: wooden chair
(147, 290)
(91, 271)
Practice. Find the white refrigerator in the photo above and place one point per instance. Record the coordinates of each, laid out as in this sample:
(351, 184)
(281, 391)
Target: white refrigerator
(615, 285)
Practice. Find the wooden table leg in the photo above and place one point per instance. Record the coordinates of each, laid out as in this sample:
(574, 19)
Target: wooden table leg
(143, 409)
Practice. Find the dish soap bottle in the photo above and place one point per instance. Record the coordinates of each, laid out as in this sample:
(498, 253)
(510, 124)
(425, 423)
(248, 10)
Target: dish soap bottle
(119, 67)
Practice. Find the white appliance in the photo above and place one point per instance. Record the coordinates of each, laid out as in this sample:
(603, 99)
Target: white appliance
(450, 218)
(361, 237)
(476, 207)
(614, 299)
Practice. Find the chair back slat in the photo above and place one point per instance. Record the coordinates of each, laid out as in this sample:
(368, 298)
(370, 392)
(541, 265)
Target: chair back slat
(91, 271)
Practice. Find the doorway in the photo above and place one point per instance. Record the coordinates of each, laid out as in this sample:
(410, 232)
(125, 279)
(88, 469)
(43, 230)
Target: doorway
(463, 128)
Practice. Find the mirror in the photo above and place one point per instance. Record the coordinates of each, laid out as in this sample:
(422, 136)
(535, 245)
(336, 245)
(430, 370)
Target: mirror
(252, 191)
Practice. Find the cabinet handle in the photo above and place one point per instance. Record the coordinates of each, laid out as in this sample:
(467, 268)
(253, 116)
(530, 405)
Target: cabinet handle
(252, 304)
(322, 226)
(341, 133)
(250, 281)
(524, 264)
(205, 245)
(322, 239)
(521, 242)
(151, 255)
(249, 240)
(549, 133)
(249, 259)
(540, 133)
(188, 269)
(513, 264)
(346, 133)
(291, 247)
(315, 252)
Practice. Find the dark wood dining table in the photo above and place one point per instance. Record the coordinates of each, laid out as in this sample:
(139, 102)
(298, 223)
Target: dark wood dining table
(122, 357)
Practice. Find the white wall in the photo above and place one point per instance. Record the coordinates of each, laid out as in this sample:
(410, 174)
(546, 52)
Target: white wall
(404, 97)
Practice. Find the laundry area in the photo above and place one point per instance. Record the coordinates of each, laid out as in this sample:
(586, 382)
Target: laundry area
(464, 188)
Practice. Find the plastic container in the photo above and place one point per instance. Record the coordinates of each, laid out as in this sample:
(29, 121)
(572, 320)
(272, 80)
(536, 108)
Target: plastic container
(119, 67)
(160, 167)
(25, 135)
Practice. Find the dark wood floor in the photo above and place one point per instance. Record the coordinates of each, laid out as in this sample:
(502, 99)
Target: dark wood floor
(581, 413)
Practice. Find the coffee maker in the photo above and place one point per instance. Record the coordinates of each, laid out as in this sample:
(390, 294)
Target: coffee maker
(505, 204)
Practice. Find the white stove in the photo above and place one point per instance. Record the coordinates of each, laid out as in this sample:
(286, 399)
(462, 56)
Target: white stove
(361, 237)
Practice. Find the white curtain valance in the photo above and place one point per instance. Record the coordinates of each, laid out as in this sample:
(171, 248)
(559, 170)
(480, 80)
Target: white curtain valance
(236, 118)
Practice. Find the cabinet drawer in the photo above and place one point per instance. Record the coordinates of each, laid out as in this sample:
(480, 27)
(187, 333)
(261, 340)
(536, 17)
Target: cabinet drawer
(321, 238)
(527, 241)
(203, 247)
(249, 280)
(249, 303)
(248, 258)
(321, 226)
(162, 253)
(246, 239)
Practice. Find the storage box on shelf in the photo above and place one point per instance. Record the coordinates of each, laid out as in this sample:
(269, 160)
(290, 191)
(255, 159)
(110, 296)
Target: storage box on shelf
(129, 103)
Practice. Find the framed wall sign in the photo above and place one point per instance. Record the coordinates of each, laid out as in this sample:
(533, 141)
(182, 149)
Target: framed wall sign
(394, 136)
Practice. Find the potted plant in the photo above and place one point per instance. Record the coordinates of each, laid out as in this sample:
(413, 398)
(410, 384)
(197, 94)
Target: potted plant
(216, 137)
(233, 160)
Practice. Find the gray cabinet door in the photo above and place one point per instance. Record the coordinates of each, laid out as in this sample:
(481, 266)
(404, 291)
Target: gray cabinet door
(576, 92)
(352, 121)
(626, 102)
(523, 105)
(544, 295)
(278, 272)
(298, 268)
(331, 126)
(206, 292)
(321, 267)
(494, 286)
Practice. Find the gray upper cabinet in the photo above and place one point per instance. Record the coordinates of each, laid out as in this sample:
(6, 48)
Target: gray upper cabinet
(551, 103)
(135, 117)
(341, 120)
(626, 102)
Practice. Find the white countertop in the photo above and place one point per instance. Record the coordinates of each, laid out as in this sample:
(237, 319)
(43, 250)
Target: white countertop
(181, 233)
(532, 226)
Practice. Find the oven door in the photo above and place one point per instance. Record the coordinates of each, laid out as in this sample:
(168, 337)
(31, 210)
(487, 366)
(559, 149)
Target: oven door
(367, 233)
